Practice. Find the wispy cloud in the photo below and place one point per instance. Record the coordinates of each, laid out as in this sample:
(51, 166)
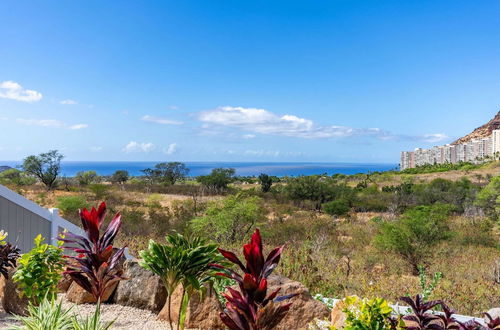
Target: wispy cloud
(172, 148)
(261, 121)
(265, 122)
(96, 149)
(68, 102)
(163, 121)
(134, 146)
(14, 91)
(78, 126)
(49, 123)
(40, 122)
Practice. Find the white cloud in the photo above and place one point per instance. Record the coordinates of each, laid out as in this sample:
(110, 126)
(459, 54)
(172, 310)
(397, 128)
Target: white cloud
(172, 148)
(40, 122)
(96, 149)
(162, 121)
(3, 118)
(248, 136)
(265, 122)
(78, 126)
(134, 146)
(435, 137)
(68, 102)
(49, 123)
(14, 91)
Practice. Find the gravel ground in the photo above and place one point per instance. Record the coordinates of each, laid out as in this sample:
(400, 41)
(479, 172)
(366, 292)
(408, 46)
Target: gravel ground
(127, 318)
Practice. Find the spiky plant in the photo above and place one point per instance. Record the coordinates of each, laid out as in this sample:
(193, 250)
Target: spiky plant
(48, 315)
(97, 267)
(92, 322)
(8, 255)
(251, 307)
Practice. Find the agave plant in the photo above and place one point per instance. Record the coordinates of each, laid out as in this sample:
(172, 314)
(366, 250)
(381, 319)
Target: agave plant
(182, 261)
(8, 255)
(96, 267)
(420, 319)
(251, 307)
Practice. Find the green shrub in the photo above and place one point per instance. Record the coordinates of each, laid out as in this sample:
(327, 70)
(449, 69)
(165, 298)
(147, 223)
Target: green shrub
(70, 205)
(337, 207)
(46, 316)
(87, 177)
(100, 190)
(364, 314)
(230, 219)
(489, 198)
(92, 322)
(415, 234)
(39, 271)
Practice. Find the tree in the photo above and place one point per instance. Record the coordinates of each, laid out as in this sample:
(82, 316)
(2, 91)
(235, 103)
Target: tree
(265, 182)
(489, 198)
(120, 176)
(167, 173)
(86, 178)
(218, 179)
(46, 167)
(230, 219)
(337, 207)
(415, 234)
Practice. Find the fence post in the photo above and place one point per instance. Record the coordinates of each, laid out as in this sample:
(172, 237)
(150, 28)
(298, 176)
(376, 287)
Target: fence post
(54, 225)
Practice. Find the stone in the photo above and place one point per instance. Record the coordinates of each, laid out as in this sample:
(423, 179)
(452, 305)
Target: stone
(337, 316)
(142, 289)
(64, 284)
(202, 311)
(76, 294)
(304, 307)
(12, 301)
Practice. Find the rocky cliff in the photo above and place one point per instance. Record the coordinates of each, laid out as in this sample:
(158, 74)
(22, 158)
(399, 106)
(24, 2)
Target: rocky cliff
(481, 132)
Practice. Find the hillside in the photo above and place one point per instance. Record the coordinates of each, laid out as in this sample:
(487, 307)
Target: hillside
(481, 132)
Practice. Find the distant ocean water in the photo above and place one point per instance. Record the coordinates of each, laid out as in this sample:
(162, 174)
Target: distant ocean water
(70, 168)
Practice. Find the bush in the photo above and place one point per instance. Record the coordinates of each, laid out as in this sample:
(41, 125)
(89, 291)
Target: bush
(364, 314)
(39, 271)
(230, 219)
(489, 198)
(100, 190)
(337, 207)
(86, 178)
(415, 234)
(218, 179)
(70, 205)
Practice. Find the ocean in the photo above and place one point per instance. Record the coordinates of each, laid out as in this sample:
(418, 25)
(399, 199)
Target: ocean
(70, 168)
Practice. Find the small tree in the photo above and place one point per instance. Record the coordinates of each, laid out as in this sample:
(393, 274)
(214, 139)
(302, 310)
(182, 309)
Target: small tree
(265, 182)
(167, 173)
(46, 167)
(120, 176)
(415, 234)
(489, 198)
(218, 179)
(230, 219)
(87, 177)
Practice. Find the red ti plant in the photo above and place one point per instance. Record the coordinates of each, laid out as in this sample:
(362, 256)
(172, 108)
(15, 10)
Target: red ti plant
(96, 268)
(250, 308)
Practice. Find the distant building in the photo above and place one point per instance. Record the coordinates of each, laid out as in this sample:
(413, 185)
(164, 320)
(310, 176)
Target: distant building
(474, 151)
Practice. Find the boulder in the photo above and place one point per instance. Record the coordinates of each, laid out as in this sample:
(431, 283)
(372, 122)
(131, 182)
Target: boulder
(76, 294)
(304, 307)
(202, 311)
(64, 284)
(143, 289)
(12, 301)
(337, 316)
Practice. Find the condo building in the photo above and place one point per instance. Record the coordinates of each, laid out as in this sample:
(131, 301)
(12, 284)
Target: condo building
(475, 151)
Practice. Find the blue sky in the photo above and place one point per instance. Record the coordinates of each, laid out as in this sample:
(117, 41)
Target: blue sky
(353, 81)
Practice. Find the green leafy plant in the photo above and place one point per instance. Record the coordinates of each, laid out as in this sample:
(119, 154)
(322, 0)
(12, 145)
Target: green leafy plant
(428, 286)
(265, 182)
(40, 270)
(337, 207)
(181, 261)
(368, 314)
(70, 205)
(8, 255)
(92, 322)
(48, 315)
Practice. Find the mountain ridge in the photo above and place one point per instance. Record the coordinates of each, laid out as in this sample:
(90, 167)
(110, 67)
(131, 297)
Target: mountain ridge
(482, 131)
